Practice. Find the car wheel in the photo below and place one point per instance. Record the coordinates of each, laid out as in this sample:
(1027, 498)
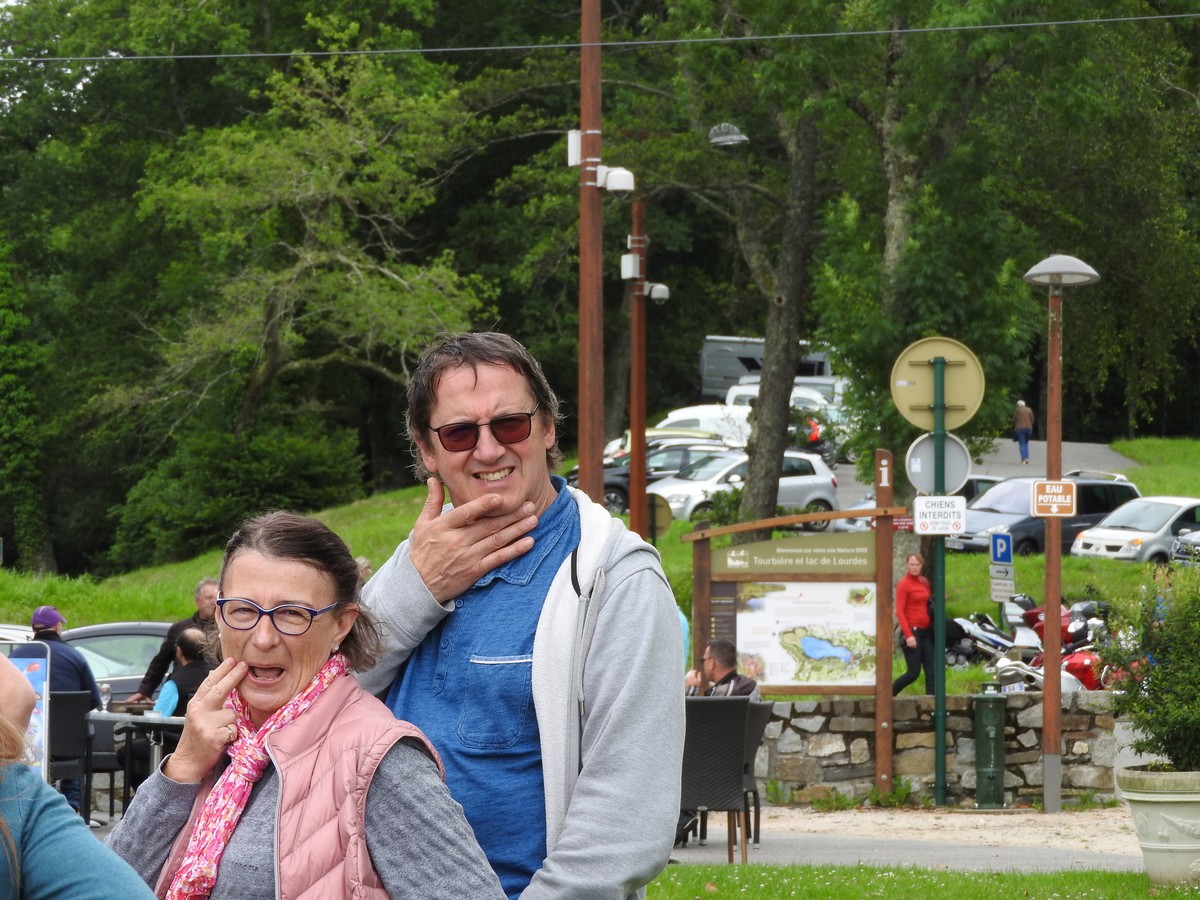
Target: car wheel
(817, 506)
(702, 511)
(615, 501)
(1159, 559)
(1026, 548)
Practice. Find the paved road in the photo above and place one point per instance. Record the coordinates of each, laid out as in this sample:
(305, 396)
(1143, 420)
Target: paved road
(1006, 462)
(842, 850)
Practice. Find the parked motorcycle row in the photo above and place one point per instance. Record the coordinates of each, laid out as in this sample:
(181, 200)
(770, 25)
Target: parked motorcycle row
(1011, 645)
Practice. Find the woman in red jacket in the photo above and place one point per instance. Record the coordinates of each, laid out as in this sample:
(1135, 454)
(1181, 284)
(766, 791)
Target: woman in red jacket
(912, 612)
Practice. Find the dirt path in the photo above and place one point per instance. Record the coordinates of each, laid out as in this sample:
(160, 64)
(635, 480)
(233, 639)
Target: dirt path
(1108, 830)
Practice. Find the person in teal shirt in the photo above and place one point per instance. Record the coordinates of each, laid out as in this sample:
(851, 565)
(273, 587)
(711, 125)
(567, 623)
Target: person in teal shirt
(46, 850)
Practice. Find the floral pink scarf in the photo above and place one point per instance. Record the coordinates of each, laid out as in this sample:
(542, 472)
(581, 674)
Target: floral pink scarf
(247, 760)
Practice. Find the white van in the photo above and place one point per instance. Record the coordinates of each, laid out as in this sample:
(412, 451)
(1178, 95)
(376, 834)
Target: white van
(828, 386)
(802, 397)
(730, 422)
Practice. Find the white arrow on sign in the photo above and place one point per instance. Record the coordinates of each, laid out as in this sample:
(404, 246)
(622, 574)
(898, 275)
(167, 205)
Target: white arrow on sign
(999, 571)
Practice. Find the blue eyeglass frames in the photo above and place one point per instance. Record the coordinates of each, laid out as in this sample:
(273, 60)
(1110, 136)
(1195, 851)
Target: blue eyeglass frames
(291, 619)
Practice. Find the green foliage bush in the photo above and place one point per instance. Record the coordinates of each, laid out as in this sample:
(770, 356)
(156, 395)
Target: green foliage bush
(834, 802)
(193, 499)
(1155, 659)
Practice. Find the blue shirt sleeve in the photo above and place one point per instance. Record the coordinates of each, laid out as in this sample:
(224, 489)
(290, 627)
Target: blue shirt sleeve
(47, 834)
(168, 699)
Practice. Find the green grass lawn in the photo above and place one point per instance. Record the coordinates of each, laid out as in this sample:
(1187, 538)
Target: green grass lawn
(854, 882)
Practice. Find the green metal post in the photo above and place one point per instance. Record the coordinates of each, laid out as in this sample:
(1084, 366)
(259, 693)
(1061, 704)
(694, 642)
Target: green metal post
(939, 587)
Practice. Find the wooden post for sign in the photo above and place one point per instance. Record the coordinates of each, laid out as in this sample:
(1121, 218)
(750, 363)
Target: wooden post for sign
(884, 739)
(701, 596)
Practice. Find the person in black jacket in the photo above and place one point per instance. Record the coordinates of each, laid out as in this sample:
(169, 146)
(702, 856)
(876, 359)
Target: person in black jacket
(191, 668)
(206, 607)
(718, 667)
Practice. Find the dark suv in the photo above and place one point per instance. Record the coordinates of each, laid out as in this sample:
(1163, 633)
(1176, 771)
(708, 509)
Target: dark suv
(1005, 508)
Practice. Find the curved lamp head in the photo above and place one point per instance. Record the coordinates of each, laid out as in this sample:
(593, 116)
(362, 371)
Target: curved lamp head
(1060, 270)
(726, 135)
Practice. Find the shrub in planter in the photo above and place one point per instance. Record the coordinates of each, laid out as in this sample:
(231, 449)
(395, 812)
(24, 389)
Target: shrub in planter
(1156, 660)
(1155, 664)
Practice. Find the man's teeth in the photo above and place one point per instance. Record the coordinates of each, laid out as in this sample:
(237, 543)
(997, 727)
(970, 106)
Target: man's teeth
(495, 476)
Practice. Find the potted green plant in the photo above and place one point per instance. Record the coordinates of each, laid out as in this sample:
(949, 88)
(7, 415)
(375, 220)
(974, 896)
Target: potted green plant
(1155, 661)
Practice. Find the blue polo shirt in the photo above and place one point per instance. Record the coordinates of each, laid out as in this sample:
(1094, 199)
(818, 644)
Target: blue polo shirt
(469, 687)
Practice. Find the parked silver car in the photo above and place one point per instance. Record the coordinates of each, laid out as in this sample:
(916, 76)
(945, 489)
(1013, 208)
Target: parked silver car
(805, 482)
(1142, 530)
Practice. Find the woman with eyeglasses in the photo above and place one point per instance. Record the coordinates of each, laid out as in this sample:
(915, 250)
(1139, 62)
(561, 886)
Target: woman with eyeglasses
(286, 768)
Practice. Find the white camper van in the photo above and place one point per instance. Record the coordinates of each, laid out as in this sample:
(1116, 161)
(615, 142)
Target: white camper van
(803, 397)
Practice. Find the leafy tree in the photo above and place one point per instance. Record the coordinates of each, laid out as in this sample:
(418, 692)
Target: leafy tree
(195, 497)
(21, 362)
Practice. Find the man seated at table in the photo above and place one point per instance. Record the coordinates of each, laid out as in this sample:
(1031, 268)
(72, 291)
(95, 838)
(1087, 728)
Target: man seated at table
(718, 667)
(191, 668)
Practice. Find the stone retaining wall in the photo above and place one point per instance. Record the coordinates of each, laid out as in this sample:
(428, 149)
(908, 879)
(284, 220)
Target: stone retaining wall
(814, 747)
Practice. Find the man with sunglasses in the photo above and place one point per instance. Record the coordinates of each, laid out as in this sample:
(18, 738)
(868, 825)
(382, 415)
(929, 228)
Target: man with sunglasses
(531, 636)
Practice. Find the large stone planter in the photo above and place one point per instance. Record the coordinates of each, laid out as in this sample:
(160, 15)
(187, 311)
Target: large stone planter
(1166, 815)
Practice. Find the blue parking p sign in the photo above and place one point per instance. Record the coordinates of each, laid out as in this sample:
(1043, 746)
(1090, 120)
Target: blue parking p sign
(1002, 549)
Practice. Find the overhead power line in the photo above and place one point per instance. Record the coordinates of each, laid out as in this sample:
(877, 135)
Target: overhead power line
(606, 45)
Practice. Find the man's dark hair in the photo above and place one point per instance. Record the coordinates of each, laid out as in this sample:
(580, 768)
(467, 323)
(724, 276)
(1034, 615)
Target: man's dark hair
(724, 653)
(191, 643)
(473, 349)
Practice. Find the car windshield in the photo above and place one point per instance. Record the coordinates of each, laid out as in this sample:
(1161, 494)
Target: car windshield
(1141, 515)
(1011, 497)
(113, 655)
(706, 468)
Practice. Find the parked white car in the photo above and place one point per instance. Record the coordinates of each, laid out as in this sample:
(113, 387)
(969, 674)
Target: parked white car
(805, 482)
(730, 422)
(1142, 530)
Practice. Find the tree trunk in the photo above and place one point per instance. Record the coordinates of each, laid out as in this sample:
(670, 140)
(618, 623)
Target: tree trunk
(769, 422)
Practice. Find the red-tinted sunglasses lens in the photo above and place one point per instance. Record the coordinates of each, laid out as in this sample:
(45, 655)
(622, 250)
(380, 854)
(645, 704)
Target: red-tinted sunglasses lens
(462, 436)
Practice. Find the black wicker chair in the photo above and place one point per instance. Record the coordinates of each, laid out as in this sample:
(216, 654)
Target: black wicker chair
(714, 764)
(70, 742)
(757, 717)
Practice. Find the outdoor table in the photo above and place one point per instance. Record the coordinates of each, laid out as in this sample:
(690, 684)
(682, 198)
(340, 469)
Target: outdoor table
(150, 724)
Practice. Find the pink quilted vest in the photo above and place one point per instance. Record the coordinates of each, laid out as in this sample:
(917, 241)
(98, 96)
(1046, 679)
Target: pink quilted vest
(326, 761)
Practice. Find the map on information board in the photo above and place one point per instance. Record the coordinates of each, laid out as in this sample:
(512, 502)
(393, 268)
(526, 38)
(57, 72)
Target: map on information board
(807, 633)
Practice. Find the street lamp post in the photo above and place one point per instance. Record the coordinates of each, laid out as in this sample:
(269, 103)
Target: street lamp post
(633, 269)
(1054, 272)
(591, 294)
(637, 369)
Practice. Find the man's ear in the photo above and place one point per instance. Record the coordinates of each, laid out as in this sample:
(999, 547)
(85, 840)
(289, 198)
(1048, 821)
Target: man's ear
(428, 457)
